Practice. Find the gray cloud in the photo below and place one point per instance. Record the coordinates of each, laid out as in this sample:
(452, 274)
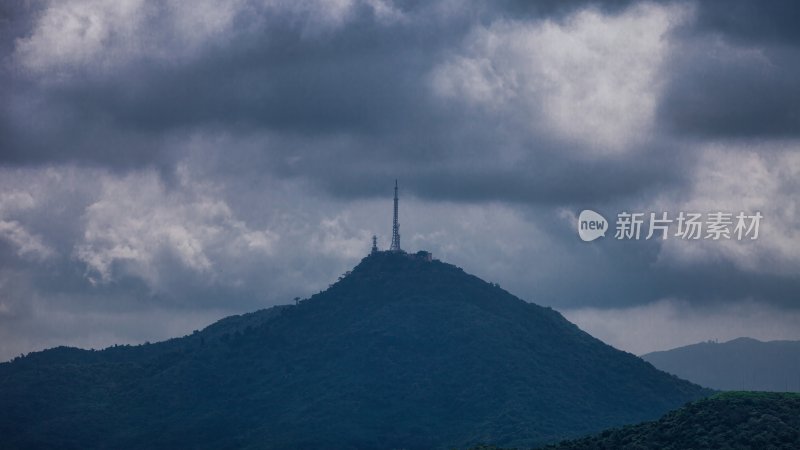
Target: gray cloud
(723, 90)
(169, 161)
(750, 22)
(670, 323)
(736, 77)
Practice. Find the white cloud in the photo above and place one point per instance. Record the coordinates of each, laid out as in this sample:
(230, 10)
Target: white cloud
(671, 323)
(338, 236)
(16, 199)
(28, 244)
(137, 221)
(78, 32)
(749, 178)
(385, 11)
(76, 36)
(591, 79)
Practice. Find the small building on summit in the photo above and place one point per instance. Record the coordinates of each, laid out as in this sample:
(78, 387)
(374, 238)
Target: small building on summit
(424, 255)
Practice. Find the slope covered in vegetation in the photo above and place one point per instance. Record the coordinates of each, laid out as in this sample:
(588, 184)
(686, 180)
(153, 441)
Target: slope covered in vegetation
(731, 420)
(740, 364)
(401, 353)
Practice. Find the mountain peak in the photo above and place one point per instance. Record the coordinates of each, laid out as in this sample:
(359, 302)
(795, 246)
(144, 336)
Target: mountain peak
(402, 352)
(391, 261)
(388, 276)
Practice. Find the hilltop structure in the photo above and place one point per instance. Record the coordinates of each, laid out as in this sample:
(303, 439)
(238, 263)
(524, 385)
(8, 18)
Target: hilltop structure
(395, 247)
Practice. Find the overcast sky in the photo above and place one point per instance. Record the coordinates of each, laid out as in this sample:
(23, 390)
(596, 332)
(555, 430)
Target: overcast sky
(165, 164)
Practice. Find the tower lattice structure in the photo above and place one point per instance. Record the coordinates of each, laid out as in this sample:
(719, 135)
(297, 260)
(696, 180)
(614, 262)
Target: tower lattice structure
(395, 247)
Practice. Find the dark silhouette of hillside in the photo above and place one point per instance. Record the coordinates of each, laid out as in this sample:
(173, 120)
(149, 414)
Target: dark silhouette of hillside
(740, 364)
(731, 420)
(400, 353)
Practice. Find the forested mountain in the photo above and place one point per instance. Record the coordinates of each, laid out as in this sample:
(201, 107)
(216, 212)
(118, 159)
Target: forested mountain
(731, 420)
(740, 364)
(403, 352)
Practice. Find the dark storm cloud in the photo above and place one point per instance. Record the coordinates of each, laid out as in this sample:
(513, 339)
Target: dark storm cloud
(362, 79)
(749, 96)
(628, 274)
(16, 19)
(750, 22)
(366, 80)
(556, 8)
(544, 180)
(274, 141)
(738, 73)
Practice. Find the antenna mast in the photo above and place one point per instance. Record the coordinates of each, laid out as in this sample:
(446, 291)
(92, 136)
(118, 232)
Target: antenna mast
(395, 225)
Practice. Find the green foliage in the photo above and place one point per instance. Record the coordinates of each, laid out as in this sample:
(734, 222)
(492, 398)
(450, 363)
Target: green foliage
(729, 420)
(400, 353)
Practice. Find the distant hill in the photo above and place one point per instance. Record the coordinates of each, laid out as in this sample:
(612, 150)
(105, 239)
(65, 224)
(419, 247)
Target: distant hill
(400, 353)
(740, 364)
(731, 420)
